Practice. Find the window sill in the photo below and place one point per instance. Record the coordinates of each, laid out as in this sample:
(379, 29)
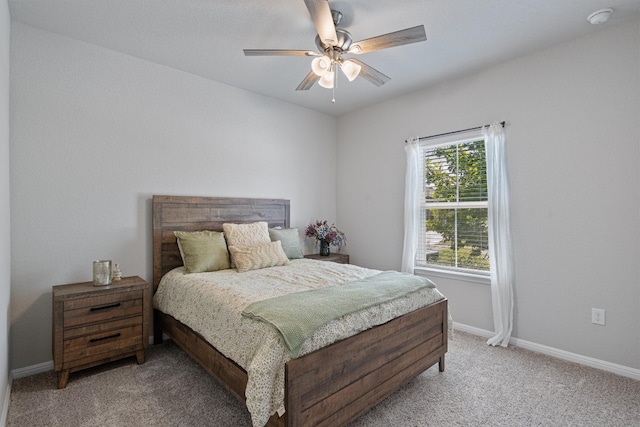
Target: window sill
(482, 279)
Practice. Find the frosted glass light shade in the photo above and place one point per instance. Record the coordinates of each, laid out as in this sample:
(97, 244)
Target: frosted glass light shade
(350, 69)
(326, 80)
(320, 65)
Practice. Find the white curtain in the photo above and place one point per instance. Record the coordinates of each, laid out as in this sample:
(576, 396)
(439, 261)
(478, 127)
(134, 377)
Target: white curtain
(411, 206)
(500, 245)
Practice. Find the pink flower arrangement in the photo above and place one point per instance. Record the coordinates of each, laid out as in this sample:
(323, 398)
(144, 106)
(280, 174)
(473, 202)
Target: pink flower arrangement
(323, 232)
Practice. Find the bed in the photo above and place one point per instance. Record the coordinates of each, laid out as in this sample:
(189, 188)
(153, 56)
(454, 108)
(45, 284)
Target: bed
(330, 386)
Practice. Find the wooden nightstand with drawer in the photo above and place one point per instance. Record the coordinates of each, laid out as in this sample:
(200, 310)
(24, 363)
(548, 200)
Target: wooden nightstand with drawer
(93, 325)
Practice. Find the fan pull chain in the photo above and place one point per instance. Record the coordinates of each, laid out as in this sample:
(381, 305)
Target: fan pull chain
(335, 83)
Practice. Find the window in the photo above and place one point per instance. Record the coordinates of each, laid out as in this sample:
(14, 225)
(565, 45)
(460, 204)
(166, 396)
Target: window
(453, 228)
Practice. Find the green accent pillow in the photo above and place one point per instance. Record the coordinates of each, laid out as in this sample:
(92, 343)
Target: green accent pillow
(202, 251)
(290, 240)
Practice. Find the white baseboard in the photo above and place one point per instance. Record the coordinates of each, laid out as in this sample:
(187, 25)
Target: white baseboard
(625, 371)
(472, 330)
(5, 404)
(27, 371)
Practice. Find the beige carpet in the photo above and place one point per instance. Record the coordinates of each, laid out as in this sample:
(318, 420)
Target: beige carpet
(482, 386)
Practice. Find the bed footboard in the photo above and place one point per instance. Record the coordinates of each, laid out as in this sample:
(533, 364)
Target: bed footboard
(336, 384)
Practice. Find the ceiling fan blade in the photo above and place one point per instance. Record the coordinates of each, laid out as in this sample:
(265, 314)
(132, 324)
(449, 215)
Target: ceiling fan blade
(323, 21)
(371, 74)
(278, 52)
(398, 38)
(308, 81)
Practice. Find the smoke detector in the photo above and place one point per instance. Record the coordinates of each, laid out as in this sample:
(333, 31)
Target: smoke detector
(600, 16)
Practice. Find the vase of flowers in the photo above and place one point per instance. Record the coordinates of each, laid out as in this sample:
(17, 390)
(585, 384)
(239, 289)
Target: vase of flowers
(326, 235)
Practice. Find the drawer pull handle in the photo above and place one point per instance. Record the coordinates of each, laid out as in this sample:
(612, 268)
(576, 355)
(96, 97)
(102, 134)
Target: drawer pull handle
(104, 307)
(105, 338)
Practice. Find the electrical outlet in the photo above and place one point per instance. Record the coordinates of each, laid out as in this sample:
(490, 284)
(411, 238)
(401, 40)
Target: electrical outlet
(597, 316)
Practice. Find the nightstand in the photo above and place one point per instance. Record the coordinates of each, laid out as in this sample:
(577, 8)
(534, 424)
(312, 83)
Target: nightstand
(93, 325)
(339, 258)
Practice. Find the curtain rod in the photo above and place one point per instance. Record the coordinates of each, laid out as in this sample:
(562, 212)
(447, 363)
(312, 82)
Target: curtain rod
(422, 138)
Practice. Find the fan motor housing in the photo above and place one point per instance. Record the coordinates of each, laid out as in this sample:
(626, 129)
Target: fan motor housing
(344, 41)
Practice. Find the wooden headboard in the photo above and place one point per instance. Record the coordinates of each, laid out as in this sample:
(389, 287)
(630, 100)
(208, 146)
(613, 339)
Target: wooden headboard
(187, 213)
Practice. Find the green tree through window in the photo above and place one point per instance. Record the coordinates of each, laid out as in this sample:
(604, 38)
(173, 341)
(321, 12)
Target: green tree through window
(455, 209)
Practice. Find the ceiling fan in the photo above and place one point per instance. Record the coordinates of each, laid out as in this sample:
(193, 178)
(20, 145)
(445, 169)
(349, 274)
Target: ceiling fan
(335, 42)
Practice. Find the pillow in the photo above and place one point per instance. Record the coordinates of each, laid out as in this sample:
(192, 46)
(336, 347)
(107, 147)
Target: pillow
(258, 256)
(202, 251)
(246, 235)
(290, 241)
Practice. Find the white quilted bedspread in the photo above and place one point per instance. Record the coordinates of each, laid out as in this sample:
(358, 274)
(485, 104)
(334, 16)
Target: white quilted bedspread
(212, 303)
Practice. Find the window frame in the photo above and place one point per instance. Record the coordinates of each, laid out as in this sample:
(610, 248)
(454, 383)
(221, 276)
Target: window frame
(456, 273)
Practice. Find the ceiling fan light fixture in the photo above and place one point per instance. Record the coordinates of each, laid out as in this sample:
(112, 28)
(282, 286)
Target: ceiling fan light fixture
(327, 79)
(350, 69)
(333, 42)
(321, 65)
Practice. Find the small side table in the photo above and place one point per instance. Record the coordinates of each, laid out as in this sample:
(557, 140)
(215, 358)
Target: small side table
(335, 257)
(93, 325)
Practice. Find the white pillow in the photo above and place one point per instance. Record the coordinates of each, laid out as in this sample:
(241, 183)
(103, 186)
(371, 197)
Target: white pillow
(246, 235)
(258, 256)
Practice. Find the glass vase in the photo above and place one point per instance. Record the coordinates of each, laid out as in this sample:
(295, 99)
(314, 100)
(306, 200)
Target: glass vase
(324, 248)
(102, 272)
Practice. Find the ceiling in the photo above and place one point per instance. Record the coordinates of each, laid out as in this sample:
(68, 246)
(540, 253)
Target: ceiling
(206, 38)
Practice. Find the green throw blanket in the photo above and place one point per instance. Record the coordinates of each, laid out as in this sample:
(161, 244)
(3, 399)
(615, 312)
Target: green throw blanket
(297, 316)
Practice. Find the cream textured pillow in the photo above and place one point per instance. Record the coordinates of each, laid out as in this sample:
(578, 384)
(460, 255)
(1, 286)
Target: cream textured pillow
(202, 251)
(246, 235)
(258, 256)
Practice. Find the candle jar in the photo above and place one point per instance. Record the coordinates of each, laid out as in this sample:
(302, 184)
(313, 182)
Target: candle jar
(102, 272)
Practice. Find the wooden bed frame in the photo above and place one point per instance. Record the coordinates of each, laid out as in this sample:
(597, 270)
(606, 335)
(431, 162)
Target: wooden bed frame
(330, 386)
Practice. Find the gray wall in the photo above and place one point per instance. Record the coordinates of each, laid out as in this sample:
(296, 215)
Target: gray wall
(573, 146)
(96, 133)
(5, 227)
